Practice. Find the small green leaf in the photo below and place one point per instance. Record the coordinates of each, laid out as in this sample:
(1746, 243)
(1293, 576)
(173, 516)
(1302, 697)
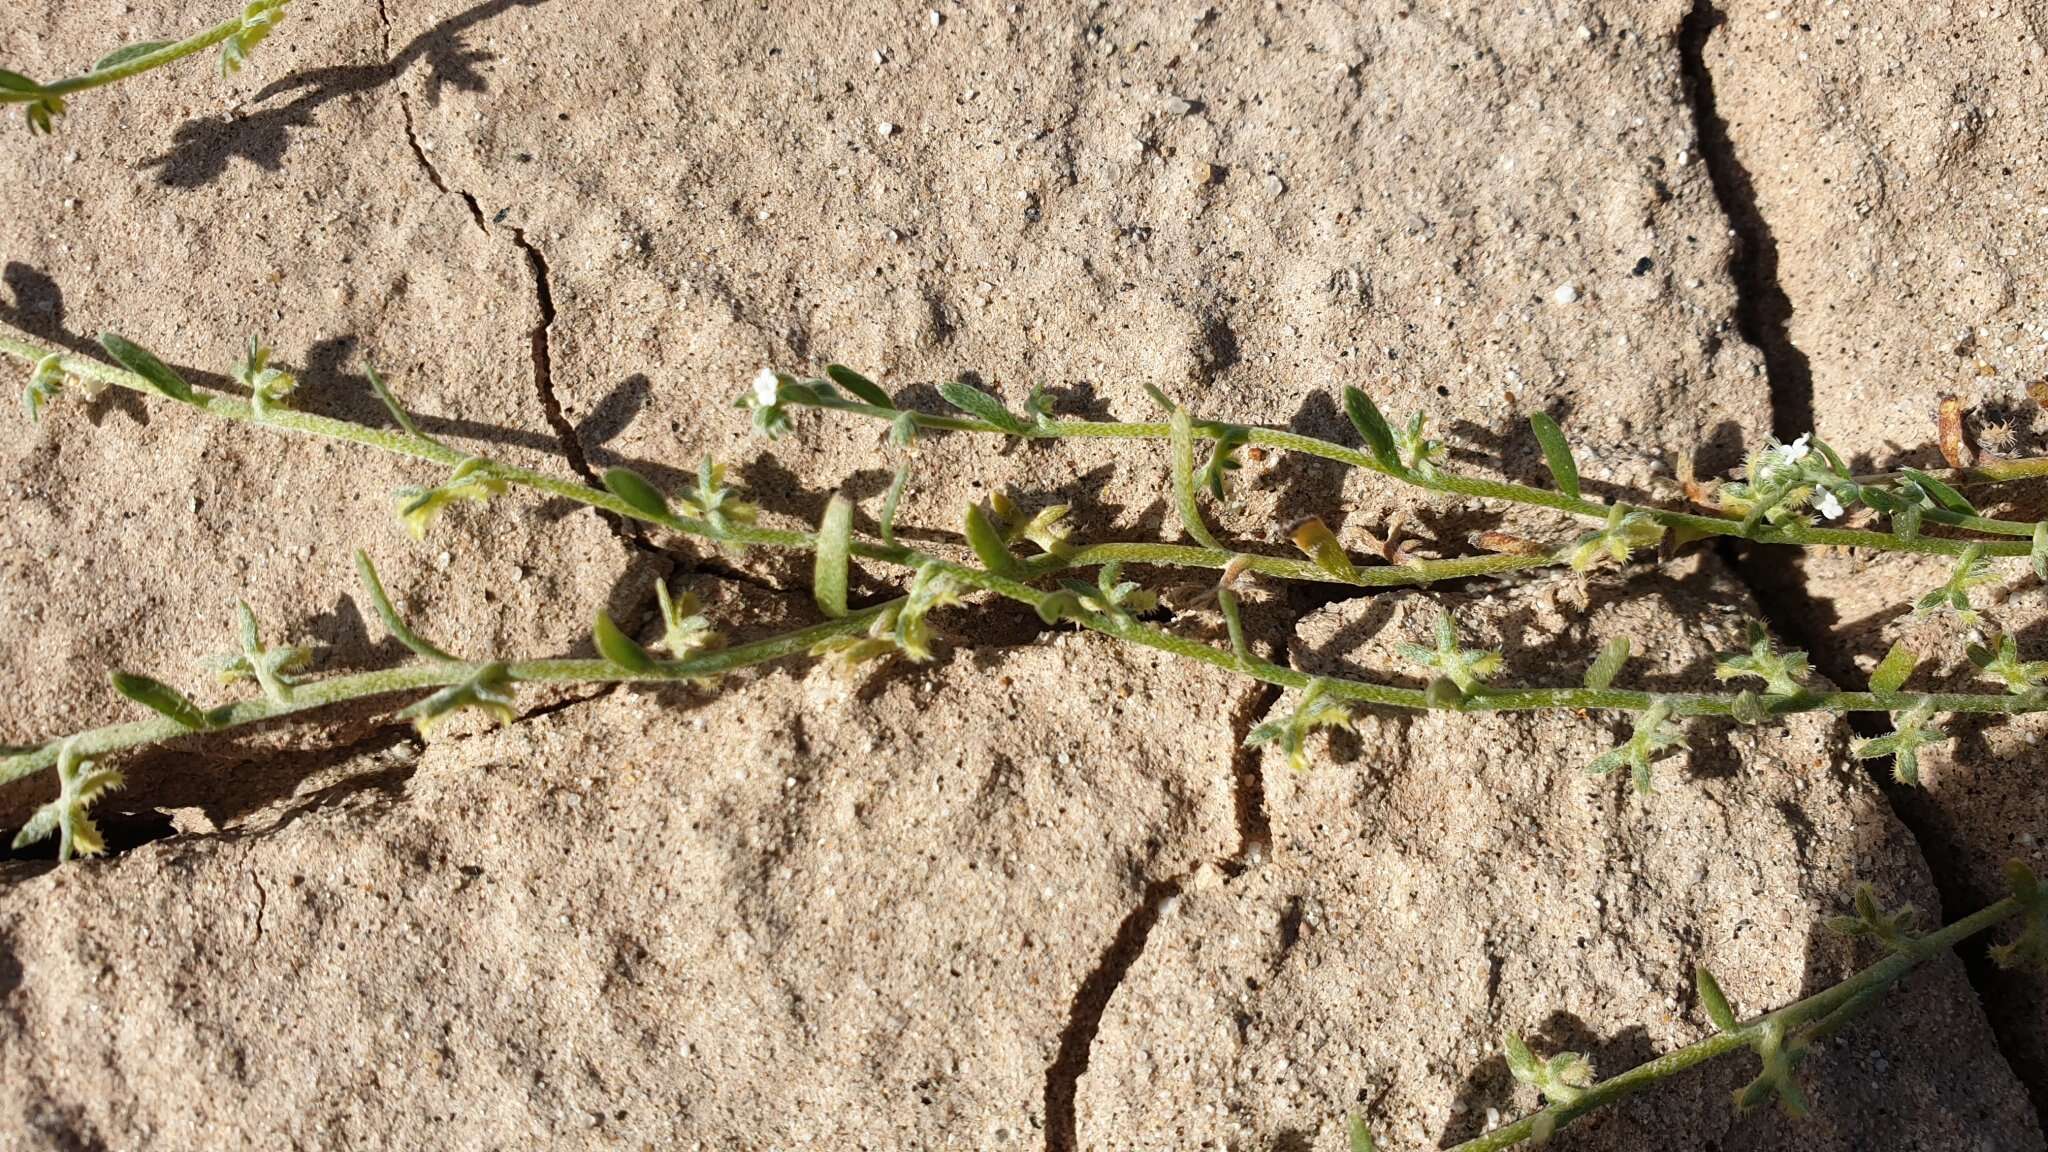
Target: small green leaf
(1613, 655)
(983, 407)
(893, 498)
(988, 544)
(859, 385)
(1361, 1136)
(1890, 674)
(391, 405)
(393, 623)
(488, 690)
(637, 491)
(165, 701)
(1942, 495)
(2039, 555)
(1372, 427)
(121, 56)
(16, 82)
(1906, 522)
(1233, 621)
(617, 647)
(143, 363)
(1713, 1001)
(1184, 480)
(1556, 453)
(835, 549)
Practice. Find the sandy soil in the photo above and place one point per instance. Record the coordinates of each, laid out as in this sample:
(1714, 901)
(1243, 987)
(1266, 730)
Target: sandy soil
(1034, 894)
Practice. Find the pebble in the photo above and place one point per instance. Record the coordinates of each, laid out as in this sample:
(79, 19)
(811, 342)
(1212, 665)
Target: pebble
(885, 128)
(1178, 106)
(1566, 294)
(935, 18)
(1274, 184)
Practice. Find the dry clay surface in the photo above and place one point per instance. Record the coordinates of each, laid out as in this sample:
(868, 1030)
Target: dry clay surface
(568, 239)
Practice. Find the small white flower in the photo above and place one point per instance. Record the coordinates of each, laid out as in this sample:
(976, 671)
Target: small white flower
(1827, 505)
(1795, 451)
(767, 386)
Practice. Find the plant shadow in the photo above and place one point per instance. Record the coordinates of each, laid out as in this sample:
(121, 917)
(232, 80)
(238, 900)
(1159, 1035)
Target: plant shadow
(202, 149)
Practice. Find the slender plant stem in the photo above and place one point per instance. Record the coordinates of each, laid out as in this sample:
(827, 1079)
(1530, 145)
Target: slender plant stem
(409, 443)
(134, 66)
(423, 675)
(1823, 1009)
(1439, 479)
(405, 443)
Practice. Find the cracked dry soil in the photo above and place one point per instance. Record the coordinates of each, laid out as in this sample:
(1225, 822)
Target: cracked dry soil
(1036, 894)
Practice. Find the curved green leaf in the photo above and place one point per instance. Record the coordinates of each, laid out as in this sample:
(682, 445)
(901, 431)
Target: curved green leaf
(636, 490)
(121, 56)
(1184, 480)
(141, 361)
(859, 385)
(163, 700)
(617, 647)
(988, 543)
(1372, 427)
(1942, 495)
(1613, 655)
(835, 550)
(1890, 675)
(983, 407)
(1556, 453)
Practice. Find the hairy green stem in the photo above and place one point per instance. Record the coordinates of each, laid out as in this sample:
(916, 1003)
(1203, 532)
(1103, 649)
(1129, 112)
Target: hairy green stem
(428, 674)
(1439, 479)
(1822, 1009)
(134, 66)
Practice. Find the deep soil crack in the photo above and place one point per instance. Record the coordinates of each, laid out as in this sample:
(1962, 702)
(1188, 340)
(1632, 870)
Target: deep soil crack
(1782, 593)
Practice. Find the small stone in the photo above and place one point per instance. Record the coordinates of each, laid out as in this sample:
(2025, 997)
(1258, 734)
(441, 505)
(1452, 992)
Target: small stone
(1566, 294)
(885, 128)
(1274, 184)
(1177, 106)
(935, 18)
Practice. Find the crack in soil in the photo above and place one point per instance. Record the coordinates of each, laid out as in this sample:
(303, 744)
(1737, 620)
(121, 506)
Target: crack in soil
(1782, 594)
(1762, 307)
(1091, 1000)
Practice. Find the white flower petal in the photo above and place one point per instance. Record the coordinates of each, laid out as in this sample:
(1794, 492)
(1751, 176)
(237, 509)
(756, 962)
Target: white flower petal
(1827, 505)
(766, 387)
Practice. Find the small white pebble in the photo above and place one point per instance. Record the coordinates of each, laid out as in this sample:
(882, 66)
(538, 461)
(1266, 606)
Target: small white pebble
(1566, 294)
(935, 18)
(885, 128)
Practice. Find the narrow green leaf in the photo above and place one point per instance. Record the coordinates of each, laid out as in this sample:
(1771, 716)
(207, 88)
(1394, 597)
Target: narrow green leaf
(835, 549)
(1890, 674)
(1713, 1001)
(391, 405)
(988, 543)
(1613, 655)
(893, 498)
(982, 407)
(1372, 427)
(1361, 1136)
(1184, 480)
(859, 385)
(1940, 493)
(393, 623)
(143, 363)
(163, 700)
(2039, 555)
(1556, 453)
(617, 647)
(121, 56)
(16, 82)
(636, 490)
(1906, 521)
(1233, 621)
